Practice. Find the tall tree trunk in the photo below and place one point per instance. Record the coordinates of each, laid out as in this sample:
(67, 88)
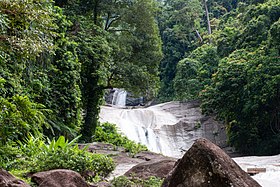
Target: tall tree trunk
(208, 19)
(92, 112)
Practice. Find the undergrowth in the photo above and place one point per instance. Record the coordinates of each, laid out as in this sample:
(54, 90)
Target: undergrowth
(34, 155)
(108, 133)
(38, 154)
(124, 181)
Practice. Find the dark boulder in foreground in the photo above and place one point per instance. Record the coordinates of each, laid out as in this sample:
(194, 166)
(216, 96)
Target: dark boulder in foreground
(8, 180)
(206, 165)
(59, 178)
(157, 168)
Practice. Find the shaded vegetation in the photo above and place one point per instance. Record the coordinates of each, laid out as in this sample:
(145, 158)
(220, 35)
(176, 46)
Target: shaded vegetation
(34, 155)
(108, 133)
(123, 181)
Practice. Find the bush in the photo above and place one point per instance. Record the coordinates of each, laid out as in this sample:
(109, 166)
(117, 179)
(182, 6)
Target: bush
(8, 153)
(61, 154)
(19, 116)
(108, 133)
(36, 155)
(245, 94)
(124, 181)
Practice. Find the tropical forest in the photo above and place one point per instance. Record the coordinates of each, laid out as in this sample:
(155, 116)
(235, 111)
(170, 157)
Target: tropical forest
(61, 59)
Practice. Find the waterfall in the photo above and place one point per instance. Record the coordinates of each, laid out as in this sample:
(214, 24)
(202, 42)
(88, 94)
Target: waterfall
(137, 125)
(119, 97)
(169, 128)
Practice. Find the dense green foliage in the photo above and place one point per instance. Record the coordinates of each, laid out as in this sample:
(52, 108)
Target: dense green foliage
(64, 92)
(108, 133)
(34, 155)
(245, 89)
(123, 181)
(235, 72)
(178, 22)
(23, 117)
(195, 71)
(39, 70)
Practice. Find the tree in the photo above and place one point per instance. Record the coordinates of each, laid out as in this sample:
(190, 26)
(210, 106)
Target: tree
(195, 72)
(135, 64)
(20, 42)
(118, 46)
(207, 17)
(179, 23)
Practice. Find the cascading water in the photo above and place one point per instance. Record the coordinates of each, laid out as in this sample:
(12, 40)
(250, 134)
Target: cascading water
(119, 97)
(158, 129)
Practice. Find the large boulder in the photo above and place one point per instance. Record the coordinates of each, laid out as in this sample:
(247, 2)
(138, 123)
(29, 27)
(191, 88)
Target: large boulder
(157, 168)
(206, 165)
(8, 180)
(59, 178)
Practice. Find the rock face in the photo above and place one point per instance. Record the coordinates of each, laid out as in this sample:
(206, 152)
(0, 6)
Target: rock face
(8, 180)
(158, 168)
(59, 178)
(206, 165)
(134, 101)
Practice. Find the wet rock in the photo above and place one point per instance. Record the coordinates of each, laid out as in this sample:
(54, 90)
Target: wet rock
(102, 148)
(8, 180)
(147, 156)
(59, 178)
(157, 168)
(206, 165)
(134, 101)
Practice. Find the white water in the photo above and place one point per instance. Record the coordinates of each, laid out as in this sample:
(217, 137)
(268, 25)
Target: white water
(142, 125)
(158, 129)
(163, 132)
(119, 97)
